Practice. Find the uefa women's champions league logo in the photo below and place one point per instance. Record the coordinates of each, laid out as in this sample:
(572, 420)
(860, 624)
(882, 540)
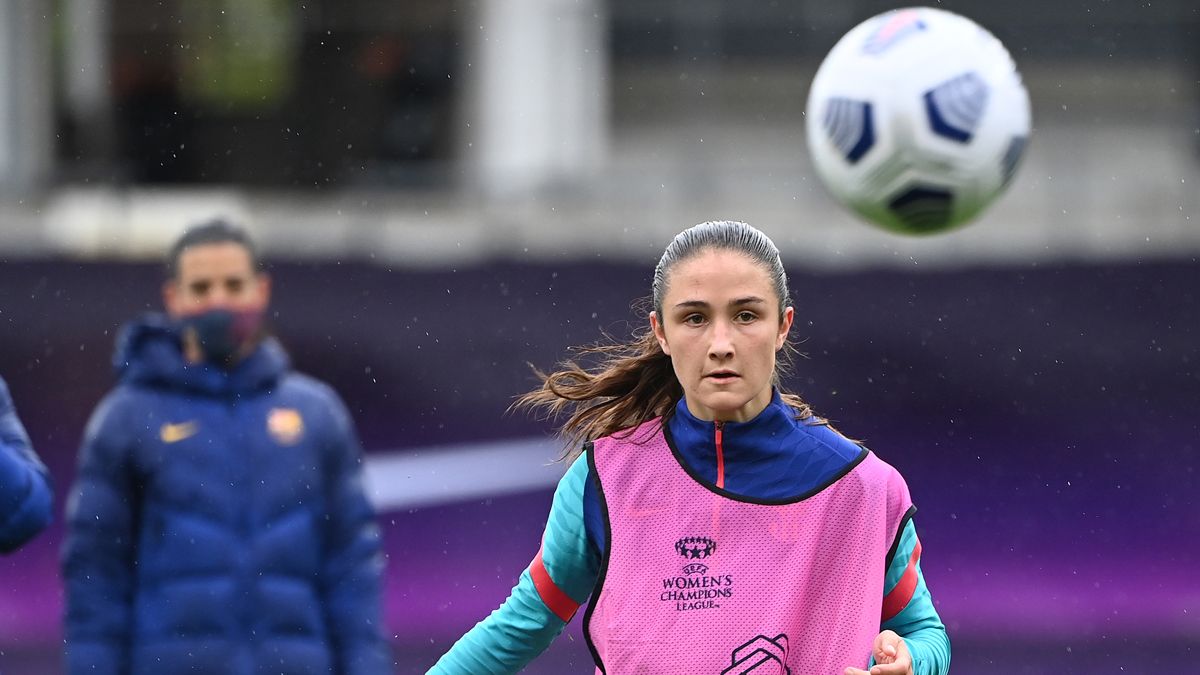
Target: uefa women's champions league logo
(696, 588)
(696, 548)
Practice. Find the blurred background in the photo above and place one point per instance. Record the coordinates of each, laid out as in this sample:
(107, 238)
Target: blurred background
(448, 190)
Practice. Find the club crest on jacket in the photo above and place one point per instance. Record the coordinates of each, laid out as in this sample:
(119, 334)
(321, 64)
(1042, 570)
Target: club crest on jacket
(285, 425)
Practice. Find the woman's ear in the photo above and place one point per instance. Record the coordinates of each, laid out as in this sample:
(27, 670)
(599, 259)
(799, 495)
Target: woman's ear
(785, 325)
(659, 333)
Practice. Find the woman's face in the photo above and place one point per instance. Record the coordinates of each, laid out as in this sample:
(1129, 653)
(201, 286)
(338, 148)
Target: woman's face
(721, 326)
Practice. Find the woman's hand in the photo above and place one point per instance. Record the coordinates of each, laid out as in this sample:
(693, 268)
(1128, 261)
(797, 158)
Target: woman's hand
(891, 657)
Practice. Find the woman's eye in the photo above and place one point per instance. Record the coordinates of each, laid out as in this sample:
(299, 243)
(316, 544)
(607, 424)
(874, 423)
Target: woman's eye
(745, 316)
(693, 319)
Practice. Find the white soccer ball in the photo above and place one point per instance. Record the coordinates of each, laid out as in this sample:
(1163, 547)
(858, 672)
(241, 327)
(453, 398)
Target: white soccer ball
(917, 119)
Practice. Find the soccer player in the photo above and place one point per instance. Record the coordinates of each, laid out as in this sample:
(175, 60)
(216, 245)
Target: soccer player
(718, 524)
(218, 523)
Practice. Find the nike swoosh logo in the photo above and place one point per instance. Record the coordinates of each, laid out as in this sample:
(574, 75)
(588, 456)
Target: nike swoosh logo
(173, 433)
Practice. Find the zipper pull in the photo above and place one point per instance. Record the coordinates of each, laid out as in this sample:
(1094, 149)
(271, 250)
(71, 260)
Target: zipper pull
(720, 427)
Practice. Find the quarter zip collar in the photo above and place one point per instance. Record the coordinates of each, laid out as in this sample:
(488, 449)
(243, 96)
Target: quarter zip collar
(731, 452)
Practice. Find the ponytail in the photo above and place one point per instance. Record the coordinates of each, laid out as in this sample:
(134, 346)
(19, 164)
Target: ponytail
(632, 383)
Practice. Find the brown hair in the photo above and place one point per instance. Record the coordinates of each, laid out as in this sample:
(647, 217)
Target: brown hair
(633, 382)
(215, 231)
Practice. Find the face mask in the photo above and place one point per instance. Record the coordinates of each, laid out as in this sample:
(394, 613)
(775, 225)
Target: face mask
(221, 333)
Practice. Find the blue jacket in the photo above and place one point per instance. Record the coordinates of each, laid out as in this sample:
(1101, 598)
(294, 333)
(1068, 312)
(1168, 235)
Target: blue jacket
(218, 523)
(25, 495)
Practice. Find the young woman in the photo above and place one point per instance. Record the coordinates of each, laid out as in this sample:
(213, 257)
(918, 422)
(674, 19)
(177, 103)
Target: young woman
(717, 524)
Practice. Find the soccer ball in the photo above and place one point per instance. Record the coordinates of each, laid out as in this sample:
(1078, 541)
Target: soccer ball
(917, 119)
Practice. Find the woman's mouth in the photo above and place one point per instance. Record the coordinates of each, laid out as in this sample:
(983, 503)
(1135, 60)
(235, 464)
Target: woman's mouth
(722, 375)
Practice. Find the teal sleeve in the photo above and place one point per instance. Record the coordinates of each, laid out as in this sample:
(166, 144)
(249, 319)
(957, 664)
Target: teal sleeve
(918, 623)
(524, 626)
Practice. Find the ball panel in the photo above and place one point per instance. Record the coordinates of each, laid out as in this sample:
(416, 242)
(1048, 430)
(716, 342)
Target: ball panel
(954, 108)
(1012, 157)
(922, 209)
(849, 126)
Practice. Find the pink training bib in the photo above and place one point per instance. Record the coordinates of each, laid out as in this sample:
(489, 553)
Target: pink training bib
(698, 581)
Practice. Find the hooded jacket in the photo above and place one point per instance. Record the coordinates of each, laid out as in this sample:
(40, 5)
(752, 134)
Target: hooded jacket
(25, 495)
(218, 522)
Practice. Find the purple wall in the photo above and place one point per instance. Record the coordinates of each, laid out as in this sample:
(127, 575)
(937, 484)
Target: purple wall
(1045, 419)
